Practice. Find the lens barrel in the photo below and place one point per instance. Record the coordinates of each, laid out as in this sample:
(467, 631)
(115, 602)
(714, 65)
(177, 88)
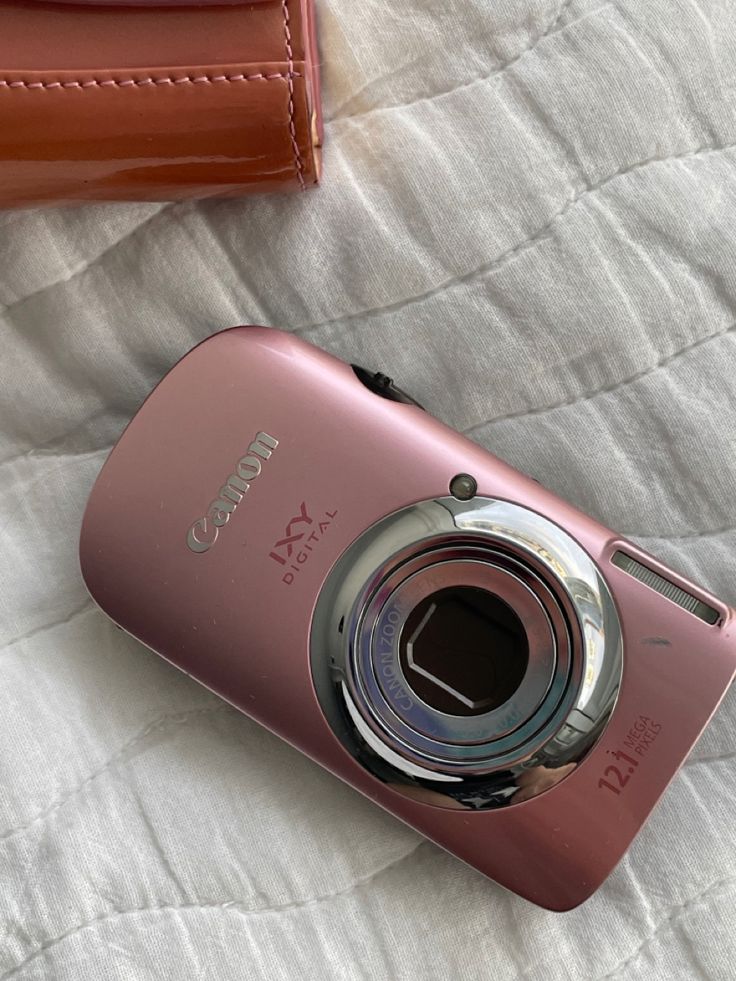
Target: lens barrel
(486, 644)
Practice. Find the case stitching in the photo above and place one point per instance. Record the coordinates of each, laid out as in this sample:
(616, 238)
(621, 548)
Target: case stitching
(167, 80)
(290, 80)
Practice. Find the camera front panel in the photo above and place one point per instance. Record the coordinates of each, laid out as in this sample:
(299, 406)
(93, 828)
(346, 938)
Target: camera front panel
(239, 611)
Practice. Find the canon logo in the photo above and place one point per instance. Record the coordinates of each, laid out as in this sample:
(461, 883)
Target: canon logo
(203, 533)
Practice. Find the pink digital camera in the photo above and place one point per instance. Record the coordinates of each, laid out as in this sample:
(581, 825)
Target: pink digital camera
(495, 668)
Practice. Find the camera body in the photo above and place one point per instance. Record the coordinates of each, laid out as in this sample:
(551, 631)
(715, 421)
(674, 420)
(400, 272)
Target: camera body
(469, 651)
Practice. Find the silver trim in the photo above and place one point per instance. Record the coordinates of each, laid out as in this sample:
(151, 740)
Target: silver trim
(575, 650)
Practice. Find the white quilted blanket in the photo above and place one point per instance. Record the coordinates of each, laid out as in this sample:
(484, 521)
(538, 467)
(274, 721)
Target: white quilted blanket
(528, 217)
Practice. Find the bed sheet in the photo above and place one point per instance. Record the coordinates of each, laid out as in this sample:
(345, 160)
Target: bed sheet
(528, 216)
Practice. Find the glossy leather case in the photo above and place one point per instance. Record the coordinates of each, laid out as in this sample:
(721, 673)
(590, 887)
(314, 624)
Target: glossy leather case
(156, 101)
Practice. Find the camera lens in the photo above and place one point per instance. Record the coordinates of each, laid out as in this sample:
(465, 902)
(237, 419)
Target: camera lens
(463, 651)
(457, 646)
(453, 653)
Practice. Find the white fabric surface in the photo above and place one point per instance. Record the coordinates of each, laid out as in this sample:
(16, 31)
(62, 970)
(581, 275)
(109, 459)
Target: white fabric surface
(529, 217)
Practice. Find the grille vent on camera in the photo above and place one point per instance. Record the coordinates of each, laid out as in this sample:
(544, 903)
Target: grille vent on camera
(666, 588)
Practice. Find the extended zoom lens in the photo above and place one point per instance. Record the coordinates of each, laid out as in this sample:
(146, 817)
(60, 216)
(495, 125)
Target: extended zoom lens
(455, 652)
(458, 646)
(463, 651)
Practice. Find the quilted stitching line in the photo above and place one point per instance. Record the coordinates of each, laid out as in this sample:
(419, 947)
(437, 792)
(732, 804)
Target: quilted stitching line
(138, 82)
(719, 758)
(607, 389)
(687, 537)
(78, 612)
(43, 453)
(494, 73)
(48, 447)
(290, 79)
(555, 22)
(86, 264)
(164, 722)
(488, 267)
(673, 915)
(235, 906)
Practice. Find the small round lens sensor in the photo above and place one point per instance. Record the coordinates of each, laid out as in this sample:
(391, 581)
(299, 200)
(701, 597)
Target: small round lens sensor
(463, 651)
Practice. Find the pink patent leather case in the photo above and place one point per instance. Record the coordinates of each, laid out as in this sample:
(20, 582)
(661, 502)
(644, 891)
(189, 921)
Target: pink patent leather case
(231, 619)
(151, 100)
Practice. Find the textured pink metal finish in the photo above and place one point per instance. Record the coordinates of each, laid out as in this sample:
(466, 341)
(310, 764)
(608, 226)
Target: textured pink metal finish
(226, 617)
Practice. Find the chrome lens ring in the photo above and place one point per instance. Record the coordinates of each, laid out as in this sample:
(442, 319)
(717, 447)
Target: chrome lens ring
(387, 701)
(386, 666)
(484, 541)
(484, 750)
